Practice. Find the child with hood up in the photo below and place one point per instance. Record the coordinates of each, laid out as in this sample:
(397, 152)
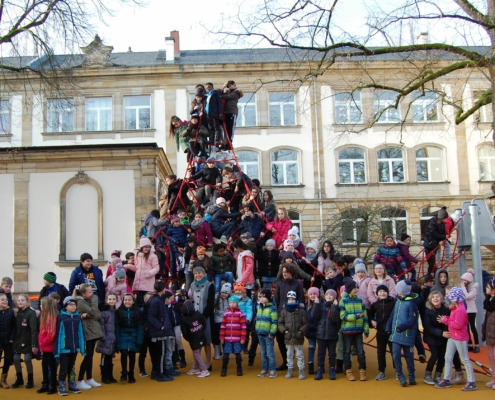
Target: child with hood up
(116, 283)
(441, 281)
(362, 279)
(389, 256)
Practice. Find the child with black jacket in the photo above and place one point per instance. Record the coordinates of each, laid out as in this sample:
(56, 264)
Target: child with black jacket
(268, 264)
(380, 312)
(7, 335)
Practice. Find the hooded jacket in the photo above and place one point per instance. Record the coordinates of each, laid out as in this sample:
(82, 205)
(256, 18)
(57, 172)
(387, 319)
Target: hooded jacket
(328, 319)
(129, 332)
(153, 224)
(158, 318)
(106, 344)
(471, 297)
(403, 324)
(282, 228)
(457, 322)
(435, 233)
(246, 307)
(390, 258)
(7, 327)
(439, 287)
(362, 285)
(143, 267)
(233, 326)
(349, 307)
(245, 267)
(193, 326)
(373, 285)
(432, 329)
(293, 324)
(266, 319)
(91, 324)
(231, 98)
(70, 335)
(77, 277)
(381, 311)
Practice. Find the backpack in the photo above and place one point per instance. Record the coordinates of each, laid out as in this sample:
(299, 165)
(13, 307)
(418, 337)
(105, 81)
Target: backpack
(143, 231)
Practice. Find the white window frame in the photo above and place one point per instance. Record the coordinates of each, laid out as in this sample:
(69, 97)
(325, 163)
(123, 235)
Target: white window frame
(424, 102)
(136, 108)
(59, 107)
(284, 164)
(244, 164)
(426, 218)
(251, 103)
(98, 113)
(484, 113)
(428, 161)
(4, 117)
(351, 167)
(281, 105)
(355, 242)
(394, 220)
(296, 222)
(353, 101)
(390, 162)
(489, 172)
(380, 103)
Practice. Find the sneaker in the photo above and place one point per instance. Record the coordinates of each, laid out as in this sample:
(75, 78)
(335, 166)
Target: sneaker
(216, 241)
(224, 239)
(272, 375)
(82, 385)
(476, 349)
(381, 376)
(204, 374)
(91, 382)
(143, 374)
(262, 374)
(422, 358)
(470, 386)
(194, 372)
(443, 384)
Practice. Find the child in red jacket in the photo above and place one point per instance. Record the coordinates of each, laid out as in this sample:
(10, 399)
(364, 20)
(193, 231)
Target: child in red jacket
(48, 330)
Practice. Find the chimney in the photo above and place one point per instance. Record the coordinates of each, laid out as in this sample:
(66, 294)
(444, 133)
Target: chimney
(423, 38)
(175, 35)
(169, 48)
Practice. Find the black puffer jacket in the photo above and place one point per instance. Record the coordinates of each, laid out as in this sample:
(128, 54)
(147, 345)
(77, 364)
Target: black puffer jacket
(328, 317)
(218, 216)
(268, 263)
(435, 233)
(432, 329)
(381, 311)
(7, 327)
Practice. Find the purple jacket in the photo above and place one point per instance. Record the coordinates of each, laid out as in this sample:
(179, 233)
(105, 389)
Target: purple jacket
(406, 255)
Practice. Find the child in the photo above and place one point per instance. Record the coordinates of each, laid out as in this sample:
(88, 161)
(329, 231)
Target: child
(130, 272)
(177, 234)
(87, 306)
(246, 306)
(266, 328)
(106, 344)
(403, 245)
(389, 256)
(293, 324)
(292, 234)
(130, 333)
(183, 217)
(174, 313)
(221, 306)
(68, 342)
(147, 345)
(223, 264)
(402, 327)
(470, 290)
(115, 284)
(196, 134)
(328, 325)
(46, 338)
(193, 329)
(441, 281)
(362, 280)
(245, 265)
(280, 227)
(253, 347)
(232, 335)
(488, 332)
(189, 259)
(457, 323)
(354, 324)
(112, 266)
(6, 286)
(333, 279)
(268, 263)
(51, 286)
(7, 336)
(202, 230)
(380, 313)
(313, 298)
(26, 340)
(435, 335)
(203, 261)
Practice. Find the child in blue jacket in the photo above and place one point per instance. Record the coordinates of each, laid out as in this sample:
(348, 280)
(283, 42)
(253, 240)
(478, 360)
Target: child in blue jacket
(177, 233)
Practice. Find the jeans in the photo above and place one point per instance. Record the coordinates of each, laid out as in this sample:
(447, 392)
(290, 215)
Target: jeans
(268, 362)
(173, 257)
(381, 350)
(178, 338)
(323, 345)
(28, 360)
(357, 340)
(296, 349)
(224, 229)
(267, 282)
(311, 350)
(461, 347)
(227, 276)
(440, 253)
(408, 351)
(170, 348)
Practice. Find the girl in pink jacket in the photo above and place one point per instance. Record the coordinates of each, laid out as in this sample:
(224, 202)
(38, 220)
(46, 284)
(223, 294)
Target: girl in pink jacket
(245, 264)
(457, 323)
(280, 227)
(116, 283)
(146, 267)
(470, 290)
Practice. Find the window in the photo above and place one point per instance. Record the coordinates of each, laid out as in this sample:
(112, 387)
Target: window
(247, 110)
(484, 113)
(390, 165)
(60, 116)
(249, 163)
(285, 167)
(394, 222)
(352, 166)
(4, 116)
(295, 218)
(383, 99)
(282, 109)
(429, 164)
(99, 114)
(137, 110)
(425, 108)
(425, 214)
(348, 108)
(487, 163)
(354, 227)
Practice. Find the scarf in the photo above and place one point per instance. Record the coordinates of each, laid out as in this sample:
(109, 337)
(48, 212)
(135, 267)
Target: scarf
(195, 225)
(201, 281)
(296, 242)
(291, 307)
(311, 257)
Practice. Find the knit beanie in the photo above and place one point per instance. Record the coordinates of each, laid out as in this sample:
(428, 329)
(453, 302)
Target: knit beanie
(69, 299)
(331, 292)
(267, 293)
(234, 298)
(120, 273)
(50, 277)
(360, 267)
(350, 285)
(358, 261)
(442, 214)
(287, 254)
(115, 261)
(404, 236)
(471, 271)
(174, 220)
(226, 288)
(239, 286)
(403, 287)
(246, 235)
(220, 200)
(456, 294)
(288, 242)
(382, 287)
(144, 241)
(467, 277)
(313, 290)
(294, 231)
(270, 242)
(312, 245)
(291, 294)
(116, 253)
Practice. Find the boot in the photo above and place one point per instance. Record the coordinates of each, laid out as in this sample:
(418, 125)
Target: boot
(3, 382)
(164, 378)
(350, 375)
(340, 367)
(251, 360)
(62, 391)
(175, 359)
(319, 374)
(105, 378)
(52, 388)
(225, 363)
(73, 387)
(362, 375)
(311, 368)
(217, 355)
(428, 379)
(332, 375)
(283, 366)
(302, 374)
(245, 348)
(30, 382)
(438, 377)
(110, 374)
(182, 356)
(288, 375)
(130, 377)
(238, 360)
(19, 381)
(123, 376)
(172, 372)
(459, 379)
(43, 388)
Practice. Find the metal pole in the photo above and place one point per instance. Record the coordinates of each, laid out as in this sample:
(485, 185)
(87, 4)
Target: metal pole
(476, 253)
(317, 133)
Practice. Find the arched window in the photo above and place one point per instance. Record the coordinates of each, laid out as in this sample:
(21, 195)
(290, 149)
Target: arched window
(352, 166)
(390, 165)
(429, 164)
(249, 161)
(486, 157)
(394, 222)
(354, 226)
(285, 167)
(425, 214)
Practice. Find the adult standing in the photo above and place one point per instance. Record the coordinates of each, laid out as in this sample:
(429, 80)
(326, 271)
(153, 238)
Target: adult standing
(378, 278)
(326, 256)
(90, 274)
(146, 267)
(435, 233)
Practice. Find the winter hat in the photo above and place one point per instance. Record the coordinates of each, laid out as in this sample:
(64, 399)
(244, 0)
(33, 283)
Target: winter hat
(287, 254)
(199, 269)
(220, 200)
(313, 290)
(246, 235)
(313, 245)
(388, 236)
(471, 271)
(174, 220)
(332, 292)
(201, 250)
(267, 293)
(382, 287)
(50, 277)
(250, 207)
(294, 231)
(144, 241)
(467, 277)
(357, 261)
(350, 285)
(360, 267)
(270, 241)
(403, 287)
(404, 236)
(226, 288)
(116, 253)
(234, 298)
(69, 299)
(443, 213)
(211, 160)
(120, 273)
(291, 294)
(239, 286)
(167, 294)
(456, 294)
(288, 242)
